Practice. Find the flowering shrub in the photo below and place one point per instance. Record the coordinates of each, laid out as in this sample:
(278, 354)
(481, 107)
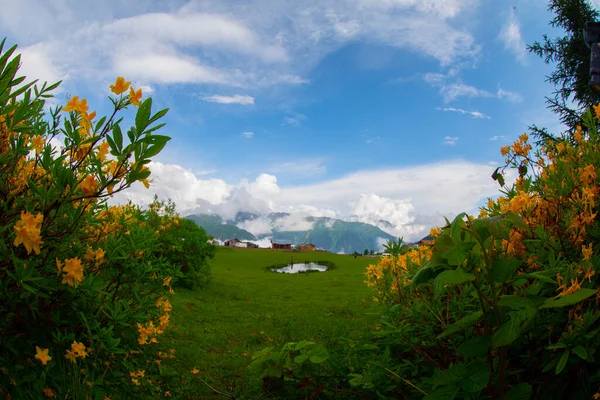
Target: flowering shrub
(505, 304)
(80, 283)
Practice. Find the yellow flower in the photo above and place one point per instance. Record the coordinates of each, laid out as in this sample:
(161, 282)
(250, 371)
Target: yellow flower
(504, 150)
(38, 143)
(135, 382)
(103, 151)
(597, 110)
(73, 271)
(195, 371)
(42, 355)
(28, 232)
(120, 86)
(587, 251)
(167, 394)
(135, 96)
(48, 392)
(88, 185)
(167, 281)
(435, 231)
(76, 105)
(79, 349)
(71, 356)
(86, 122)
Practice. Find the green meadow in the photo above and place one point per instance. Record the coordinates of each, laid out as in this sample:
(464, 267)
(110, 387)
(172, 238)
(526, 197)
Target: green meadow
(246, 308)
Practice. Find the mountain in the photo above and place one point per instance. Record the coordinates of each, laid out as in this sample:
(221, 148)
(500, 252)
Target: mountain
(219, 229)
(331, 234)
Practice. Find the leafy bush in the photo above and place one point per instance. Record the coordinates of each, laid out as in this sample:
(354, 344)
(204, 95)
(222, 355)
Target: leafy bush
(81, 286)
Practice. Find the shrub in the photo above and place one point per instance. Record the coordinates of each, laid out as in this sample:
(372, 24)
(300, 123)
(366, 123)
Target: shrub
(81, 286)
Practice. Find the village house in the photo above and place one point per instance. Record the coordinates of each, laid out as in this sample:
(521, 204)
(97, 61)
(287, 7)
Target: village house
(251, 245)
(306, 247)
(281, 245)
(232, 242)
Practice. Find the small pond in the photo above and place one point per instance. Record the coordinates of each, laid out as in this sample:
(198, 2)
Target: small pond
(301, 267)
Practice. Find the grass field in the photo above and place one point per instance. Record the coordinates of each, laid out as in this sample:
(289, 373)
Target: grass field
(246, 308)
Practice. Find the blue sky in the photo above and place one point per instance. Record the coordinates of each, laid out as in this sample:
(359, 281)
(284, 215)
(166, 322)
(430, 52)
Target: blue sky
(363, 109)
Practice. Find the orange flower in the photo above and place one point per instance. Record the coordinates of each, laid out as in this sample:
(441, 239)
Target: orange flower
(587, 251)
(28, 231)
(88, 185)
(195, 371)
(73, 271)
(48, 392)
(120, 86)
(135, 96)
(103, 151)
(76, 105)
(38, 143)
(42, 355)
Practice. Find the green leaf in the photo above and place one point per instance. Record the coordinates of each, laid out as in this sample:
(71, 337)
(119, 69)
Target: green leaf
(569, 299)
(118, 136)
(443, 393)
(511, 330)
(303, 344)
(475, 347)
(153, 150)
(318, 354)
(451, 277)
(423, 275)
(540, 276)
(522, 391)
(580, 351)
(158, 115)
(461, 324)
(456, 227)
(516, 302)
(504, 268)
(143, 115)
(562, 363)
(300, 358)
(516, 220)
(476, 379)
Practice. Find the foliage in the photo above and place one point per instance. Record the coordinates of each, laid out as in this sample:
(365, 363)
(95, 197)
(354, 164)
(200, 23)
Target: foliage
(182, 243)
(572, 58)
(81, 285)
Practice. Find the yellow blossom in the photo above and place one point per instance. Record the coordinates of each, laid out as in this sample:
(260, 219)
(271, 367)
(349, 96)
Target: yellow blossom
(48, 392)
(135, 96)
(135, 382)
(587, 252)
(103, 151)
(120, 86)
(73, 271)
(195, 371)
(167, 281)
(28, 232)
(88, 185)
(42, 355)
(38, 143)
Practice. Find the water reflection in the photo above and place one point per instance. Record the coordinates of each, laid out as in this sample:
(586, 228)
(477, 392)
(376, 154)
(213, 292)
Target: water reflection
(299, 268)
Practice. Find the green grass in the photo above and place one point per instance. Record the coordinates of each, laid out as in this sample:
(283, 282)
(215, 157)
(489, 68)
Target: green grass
(246, 308)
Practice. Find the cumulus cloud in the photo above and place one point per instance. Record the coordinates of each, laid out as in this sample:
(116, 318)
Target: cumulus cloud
(474, 114)
(235, 99)
(402, 201)
(510, 35)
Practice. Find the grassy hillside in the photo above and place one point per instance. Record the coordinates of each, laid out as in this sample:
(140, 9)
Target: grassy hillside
(247, 308)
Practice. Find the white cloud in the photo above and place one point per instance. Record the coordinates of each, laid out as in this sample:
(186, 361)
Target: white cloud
(473, 114)
(36, 63)
(411, 199)
(510, 34)
(248, 135)
(454, 91)
(235, 99)
(300, 168)
(498, 137)
(450, 140)
(227, 42)
(293, 121)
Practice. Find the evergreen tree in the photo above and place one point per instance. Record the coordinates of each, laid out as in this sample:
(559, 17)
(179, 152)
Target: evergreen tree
(571, 56)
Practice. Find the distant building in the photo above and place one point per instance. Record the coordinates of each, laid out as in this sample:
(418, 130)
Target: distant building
(281, 245)
(251, 245)
(215, 242)
(427, 240)
(306, 247)
(242, 245)
(232, 242)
